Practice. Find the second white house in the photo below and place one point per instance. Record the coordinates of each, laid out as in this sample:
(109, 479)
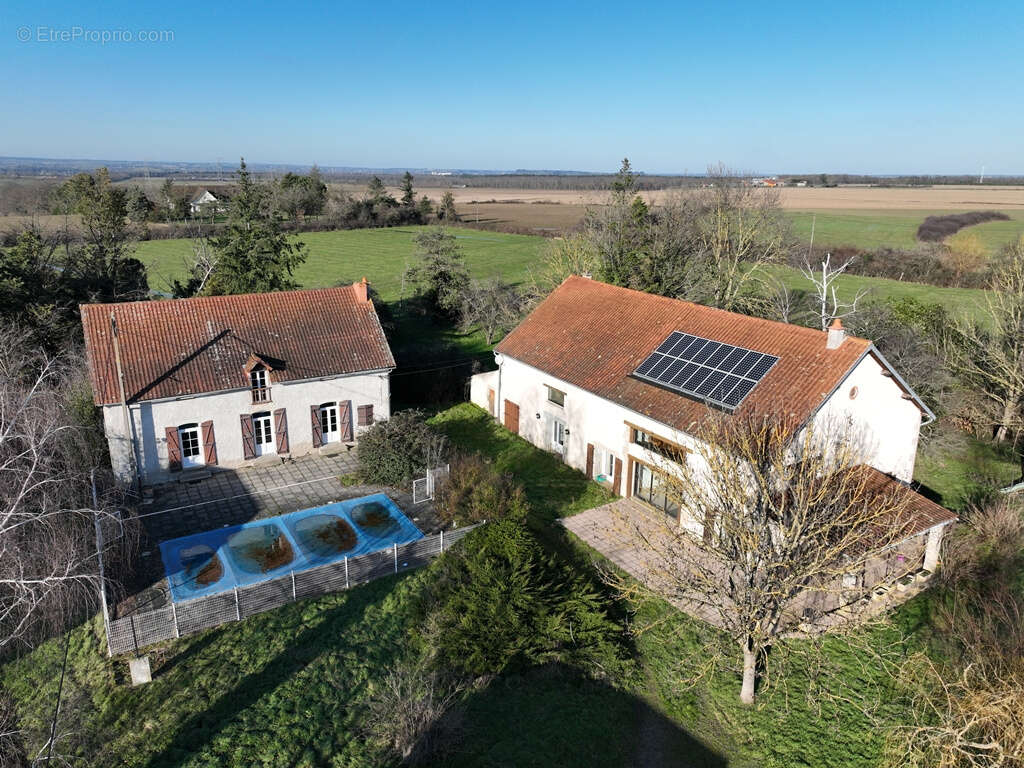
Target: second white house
(226, 381)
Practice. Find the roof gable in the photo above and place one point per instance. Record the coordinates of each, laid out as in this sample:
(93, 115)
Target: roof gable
(595, 335)
(185, 347)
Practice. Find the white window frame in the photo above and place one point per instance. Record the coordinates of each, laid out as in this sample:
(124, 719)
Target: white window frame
(559, 433)
(199, 459)
(270, 447)
(330, 409)
(260, 385)
(551, 390)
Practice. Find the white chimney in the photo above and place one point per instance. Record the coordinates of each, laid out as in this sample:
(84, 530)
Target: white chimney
(836, 334)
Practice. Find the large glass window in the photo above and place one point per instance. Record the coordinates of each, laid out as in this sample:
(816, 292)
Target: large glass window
(651, 486)
(656, 444)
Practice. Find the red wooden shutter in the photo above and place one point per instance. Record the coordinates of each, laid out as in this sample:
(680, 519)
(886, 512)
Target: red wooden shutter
(209, 443)
(618, 476)
(281, 428)
(590, 459)
(490, 402)
(248, 438)
(512, 417)
(345, 420)
(365, 415)
(173, 449)
(318, 435)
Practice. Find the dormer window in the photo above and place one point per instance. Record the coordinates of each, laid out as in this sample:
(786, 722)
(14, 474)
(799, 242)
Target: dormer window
(260, 385)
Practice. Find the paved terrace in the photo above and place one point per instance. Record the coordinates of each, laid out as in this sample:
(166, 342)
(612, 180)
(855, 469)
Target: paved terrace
(618, 531)
(228, 497)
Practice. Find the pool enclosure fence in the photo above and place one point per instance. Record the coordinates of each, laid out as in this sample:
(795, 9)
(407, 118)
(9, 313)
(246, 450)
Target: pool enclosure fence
(175, 620)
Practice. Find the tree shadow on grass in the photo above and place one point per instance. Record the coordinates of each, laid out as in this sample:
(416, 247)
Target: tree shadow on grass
(554, 715)
(206, 724)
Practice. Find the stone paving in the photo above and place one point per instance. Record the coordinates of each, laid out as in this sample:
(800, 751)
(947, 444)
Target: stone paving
(229, 497)
(622, 529)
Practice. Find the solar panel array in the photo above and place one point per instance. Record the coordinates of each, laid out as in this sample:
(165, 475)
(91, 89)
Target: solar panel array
(717, 373)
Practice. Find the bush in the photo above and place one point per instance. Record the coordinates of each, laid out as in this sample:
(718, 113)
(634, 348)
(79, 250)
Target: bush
(498, 602)
(476, 491)
(394, 452)
(936, 228)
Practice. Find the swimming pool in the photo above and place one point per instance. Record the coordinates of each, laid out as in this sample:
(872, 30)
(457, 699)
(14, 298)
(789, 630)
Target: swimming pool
(206, 563)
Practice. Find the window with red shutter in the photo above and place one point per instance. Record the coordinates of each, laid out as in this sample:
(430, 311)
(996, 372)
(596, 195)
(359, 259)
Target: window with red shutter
(365, 415)
(173, 449)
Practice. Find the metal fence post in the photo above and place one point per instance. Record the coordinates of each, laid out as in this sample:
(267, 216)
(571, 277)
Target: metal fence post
(442, 539)
(293, 585)
(396, 557)
(174, 613)
(346, 571)
(238, 611)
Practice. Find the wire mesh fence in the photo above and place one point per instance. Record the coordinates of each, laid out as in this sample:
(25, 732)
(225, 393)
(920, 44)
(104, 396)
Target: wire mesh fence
(190, 616)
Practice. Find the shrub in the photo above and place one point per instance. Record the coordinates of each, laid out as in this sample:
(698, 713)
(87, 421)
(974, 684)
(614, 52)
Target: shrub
(476, 491)
(498, 601)
(393, 452)
(937, 228)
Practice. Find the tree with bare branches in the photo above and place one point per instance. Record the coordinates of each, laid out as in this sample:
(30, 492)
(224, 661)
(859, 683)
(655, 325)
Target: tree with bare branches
(775, 532)
(827, 303)
(493, 306)
(48, 560)
(988, 352)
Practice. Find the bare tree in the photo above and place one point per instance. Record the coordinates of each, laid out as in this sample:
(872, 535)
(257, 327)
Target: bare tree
(776, 530)
(988, 352)
(48, 562)
(573, 254)
(827, 303)
(494, 306)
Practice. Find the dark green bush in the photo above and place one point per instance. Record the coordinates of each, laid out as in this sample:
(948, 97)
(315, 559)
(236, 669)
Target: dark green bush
(476, 491)
(393, 452)
(499, 601)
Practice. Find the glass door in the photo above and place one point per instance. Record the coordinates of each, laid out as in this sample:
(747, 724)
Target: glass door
(263, 433)
(329, 423)
(191, 447)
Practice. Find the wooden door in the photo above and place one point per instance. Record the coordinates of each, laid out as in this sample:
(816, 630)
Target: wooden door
(490, 402)
(512, 417)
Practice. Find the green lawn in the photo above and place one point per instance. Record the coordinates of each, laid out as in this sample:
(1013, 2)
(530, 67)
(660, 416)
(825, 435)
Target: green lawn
(868, 229)
(288, 687)
(381, 255)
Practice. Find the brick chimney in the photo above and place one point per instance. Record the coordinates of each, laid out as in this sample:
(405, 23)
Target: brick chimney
(361, 290)
(836, 334)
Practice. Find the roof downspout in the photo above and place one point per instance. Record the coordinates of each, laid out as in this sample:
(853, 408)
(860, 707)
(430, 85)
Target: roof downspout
(499, 359)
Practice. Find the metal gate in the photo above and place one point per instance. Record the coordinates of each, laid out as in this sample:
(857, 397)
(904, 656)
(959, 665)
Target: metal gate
(424, 488)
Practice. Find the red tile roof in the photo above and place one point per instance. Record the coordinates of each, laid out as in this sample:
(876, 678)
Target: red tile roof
(190, 346)
(594, 335)
(922, 513)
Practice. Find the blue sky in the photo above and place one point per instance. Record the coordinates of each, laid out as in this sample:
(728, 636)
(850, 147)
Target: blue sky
(873, 87)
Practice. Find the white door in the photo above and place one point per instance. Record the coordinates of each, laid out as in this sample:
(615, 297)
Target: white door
(262, 430)
(558, 435)
(329, 423)
(191, 446)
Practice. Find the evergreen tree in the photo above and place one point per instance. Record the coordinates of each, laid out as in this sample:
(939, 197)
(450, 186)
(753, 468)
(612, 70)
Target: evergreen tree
(253, 254)
(441, 277)
(408, 196)
(446, 210)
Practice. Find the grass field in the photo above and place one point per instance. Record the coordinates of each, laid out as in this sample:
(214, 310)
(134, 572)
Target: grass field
(894, 229)
(381, 255)
(288, 687)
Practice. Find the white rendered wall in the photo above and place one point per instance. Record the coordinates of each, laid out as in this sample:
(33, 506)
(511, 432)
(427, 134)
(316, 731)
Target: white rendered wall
(886, 424)
(151, 418)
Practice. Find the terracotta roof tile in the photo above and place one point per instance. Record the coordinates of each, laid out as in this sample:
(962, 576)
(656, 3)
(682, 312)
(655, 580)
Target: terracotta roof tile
(190, 346)
(922, 512)
(594, 335)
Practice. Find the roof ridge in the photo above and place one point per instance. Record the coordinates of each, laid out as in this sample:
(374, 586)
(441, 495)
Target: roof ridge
(218, 297)
(749, 318)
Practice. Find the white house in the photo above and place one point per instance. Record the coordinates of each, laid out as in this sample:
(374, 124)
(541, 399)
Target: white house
(224, 381)
(203, 201)
(609, 378)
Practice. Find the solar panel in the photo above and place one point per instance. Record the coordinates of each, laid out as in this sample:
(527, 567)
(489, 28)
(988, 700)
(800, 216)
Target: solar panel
(712, 371)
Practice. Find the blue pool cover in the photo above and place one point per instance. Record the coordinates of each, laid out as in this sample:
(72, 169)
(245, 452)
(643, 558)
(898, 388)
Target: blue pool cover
(217, 561)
